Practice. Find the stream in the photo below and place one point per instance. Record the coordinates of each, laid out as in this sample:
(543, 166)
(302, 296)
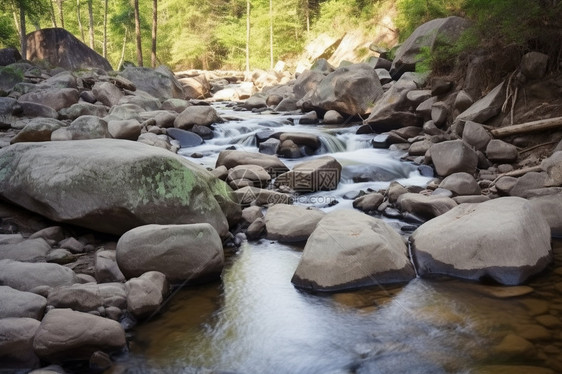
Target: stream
(255, 321)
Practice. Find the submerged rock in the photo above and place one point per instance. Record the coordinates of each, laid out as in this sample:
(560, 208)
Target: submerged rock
(348, 250)
(112, 185)
(504, 239)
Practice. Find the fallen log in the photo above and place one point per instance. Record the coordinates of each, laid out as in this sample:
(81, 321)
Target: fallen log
(528, 127)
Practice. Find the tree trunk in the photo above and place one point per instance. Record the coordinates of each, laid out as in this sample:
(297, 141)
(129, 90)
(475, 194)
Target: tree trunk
(154, 32)
(528, 127)
(247, 35)
(23, 33)
(138, 33)
(61, 13)
(52, 10)
(105, 29)
(271, 34)
(91, 23)
(79, 18)
(123, 50)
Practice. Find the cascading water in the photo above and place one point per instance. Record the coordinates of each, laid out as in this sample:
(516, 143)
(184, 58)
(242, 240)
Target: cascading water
(255, 321)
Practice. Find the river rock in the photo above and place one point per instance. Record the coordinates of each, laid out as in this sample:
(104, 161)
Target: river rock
(83, 109)
(475, 135)
(60, 48)
(196, 87)
(369, 202)
(16, 344)
(349, 249)
(146, 293)
(533, 65)
(349, 90)
(89, 297)
(53, 98)
(251, 213)
(19, 304)
(65, 334)
(143, 100)
(201, 115)
(425, 206)
(107, 93)
(181, 252)
(461, 184)
(84, 127)
(260, 196)
(437, 32)
(112, 185)
(485, 108)
(504, 239)
(9, 56)
(38, 130)
(550, 207)
(31, 250)
(232, 158)
(185, 138)
(36, 274)
(270, 146)
(160, 82)
(319, 174)
(553, 166)
(333, 117)
(31, 109)
(124, 111)
(306, 82)
(290, 223)
(250, 175)
(106, 268)
(309, 140)
(500, 151)
(528, 182)
(129, 129)
(453, 156)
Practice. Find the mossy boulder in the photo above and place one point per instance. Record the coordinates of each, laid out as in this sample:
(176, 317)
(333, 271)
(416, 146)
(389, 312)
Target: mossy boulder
(112, 185)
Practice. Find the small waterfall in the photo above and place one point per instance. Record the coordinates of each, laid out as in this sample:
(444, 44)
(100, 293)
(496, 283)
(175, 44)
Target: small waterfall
(330, 144)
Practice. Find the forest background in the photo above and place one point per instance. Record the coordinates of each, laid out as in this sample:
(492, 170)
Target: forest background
(239, 34)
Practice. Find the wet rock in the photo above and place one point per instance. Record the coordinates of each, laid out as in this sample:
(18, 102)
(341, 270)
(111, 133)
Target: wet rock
(288, 149)
(288, 223)
(37, 274)
(159, 83)
(349, 90)
(550, 207)
(453, 156)
(440, 31)
(84, 127)
(203, 131)
(31, 250)
(504, 239)
(333, 117)
(319, 174)
(533, 65)
(106, 268)
(309, 140)
(255, 175)
(369, 202)
(16, 344)
(270, 146)
(185, 138)
(19, 304)
(107, 173)
(500, 151)
(461, 184)
(181, 252)
(60, 48)
(309, 118)
(425, 206)
(196, 115)
(515, 346)
(64, 333)
(232, 158)
(259, 196)
(349, 249)
(83, 109)
(475, 135)
(255, 102)
(129, 129)
(146, 293)
(89, 297)
(395, 190)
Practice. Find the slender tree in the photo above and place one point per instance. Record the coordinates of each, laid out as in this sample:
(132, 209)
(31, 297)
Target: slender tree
(52, 13)
(23, 32)
(247, 35)
(79, 18)
(271, 34)
(154, 32)
(61, 12)
(105, 29)
(138, 33)
(91, 23)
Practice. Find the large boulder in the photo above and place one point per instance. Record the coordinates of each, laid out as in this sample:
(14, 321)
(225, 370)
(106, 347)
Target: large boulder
(348, 250)
(20, 304)
(36, 274)
(233, 158)
(350, 90)
(112, 185)
(66, 334)
(84, 127)
(432, 34)
(425, 206)
(291, 223)
(89, 297)
(201, 115)
(60, 48)
(38, 130)
(550, 207)
(180, 252)
(16, 344)
(319, 174)
(306, 82)
(146, 293)
(453, 156)
(57, 98)
(160, 82)
(505, 239)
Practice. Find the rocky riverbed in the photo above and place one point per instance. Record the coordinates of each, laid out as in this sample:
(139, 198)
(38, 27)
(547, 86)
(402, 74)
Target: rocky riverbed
(117, 187)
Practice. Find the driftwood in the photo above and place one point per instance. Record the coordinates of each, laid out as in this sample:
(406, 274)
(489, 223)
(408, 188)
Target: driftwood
(517, 173)
(527, 127)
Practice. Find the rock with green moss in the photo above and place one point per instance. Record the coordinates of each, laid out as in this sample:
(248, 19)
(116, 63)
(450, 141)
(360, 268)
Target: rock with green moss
(112, 186)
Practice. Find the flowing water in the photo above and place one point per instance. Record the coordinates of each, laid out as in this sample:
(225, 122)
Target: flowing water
(255, 321)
